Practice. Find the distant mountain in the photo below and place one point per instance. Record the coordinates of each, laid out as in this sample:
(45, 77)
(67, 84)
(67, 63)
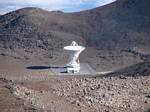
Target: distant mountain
(114, 34)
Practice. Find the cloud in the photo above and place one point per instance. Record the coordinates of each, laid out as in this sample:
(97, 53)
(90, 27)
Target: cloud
(103, 2)
(64, 5)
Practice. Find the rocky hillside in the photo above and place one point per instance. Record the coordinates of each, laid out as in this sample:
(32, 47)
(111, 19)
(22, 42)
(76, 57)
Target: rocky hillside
(137, 70)
(112, 33)
(11, 103)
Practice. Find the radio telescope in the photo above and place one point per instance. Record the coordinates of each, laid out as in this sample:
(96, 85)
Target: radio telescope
(74, 50)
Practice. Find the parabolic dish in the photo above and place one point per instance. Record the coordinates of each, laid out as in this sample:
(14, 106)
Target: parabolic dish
(74, 48)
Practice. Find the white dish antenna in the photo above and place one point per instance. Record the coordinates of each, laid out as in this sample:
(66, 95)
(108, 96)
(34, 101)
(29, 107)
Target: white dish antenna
(74, 50)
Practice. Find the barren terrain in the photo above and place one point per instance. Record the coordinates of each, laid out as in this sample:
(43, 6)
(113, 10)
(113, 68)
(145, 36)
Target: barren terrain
(126, 90)
(116, 37)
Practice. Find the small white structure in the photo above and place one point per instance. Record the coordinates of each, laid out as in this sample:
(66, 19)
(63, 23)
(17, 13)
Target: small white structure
(73, 50)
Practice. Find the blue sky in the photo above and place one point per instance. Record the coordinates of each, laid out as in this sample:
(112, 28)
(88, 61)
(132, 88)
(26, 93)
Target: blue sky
(64, 5)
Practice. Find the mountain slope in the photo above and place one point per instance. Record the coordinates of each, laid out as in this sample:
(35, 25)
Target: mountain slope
(112, 33)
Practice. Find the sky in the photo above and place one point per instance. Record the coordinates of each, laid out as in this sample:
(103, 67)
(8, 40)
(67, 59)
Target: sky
(51, 5)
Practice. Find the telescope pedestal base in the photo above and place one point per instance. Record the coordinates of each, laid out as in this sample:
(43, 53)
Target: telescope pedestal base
(84, 69)
(72, 70)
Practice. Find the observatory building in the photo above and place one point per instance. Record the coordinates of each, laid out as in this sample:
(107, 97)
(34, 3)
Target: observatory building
(74, 50)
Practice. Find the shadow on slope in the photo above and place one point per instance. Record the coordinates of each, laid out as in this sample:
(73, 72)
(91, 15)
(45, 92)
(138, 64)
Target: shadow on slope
(38, 67)
(139, 69)
(44, 67)
(148, 110)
